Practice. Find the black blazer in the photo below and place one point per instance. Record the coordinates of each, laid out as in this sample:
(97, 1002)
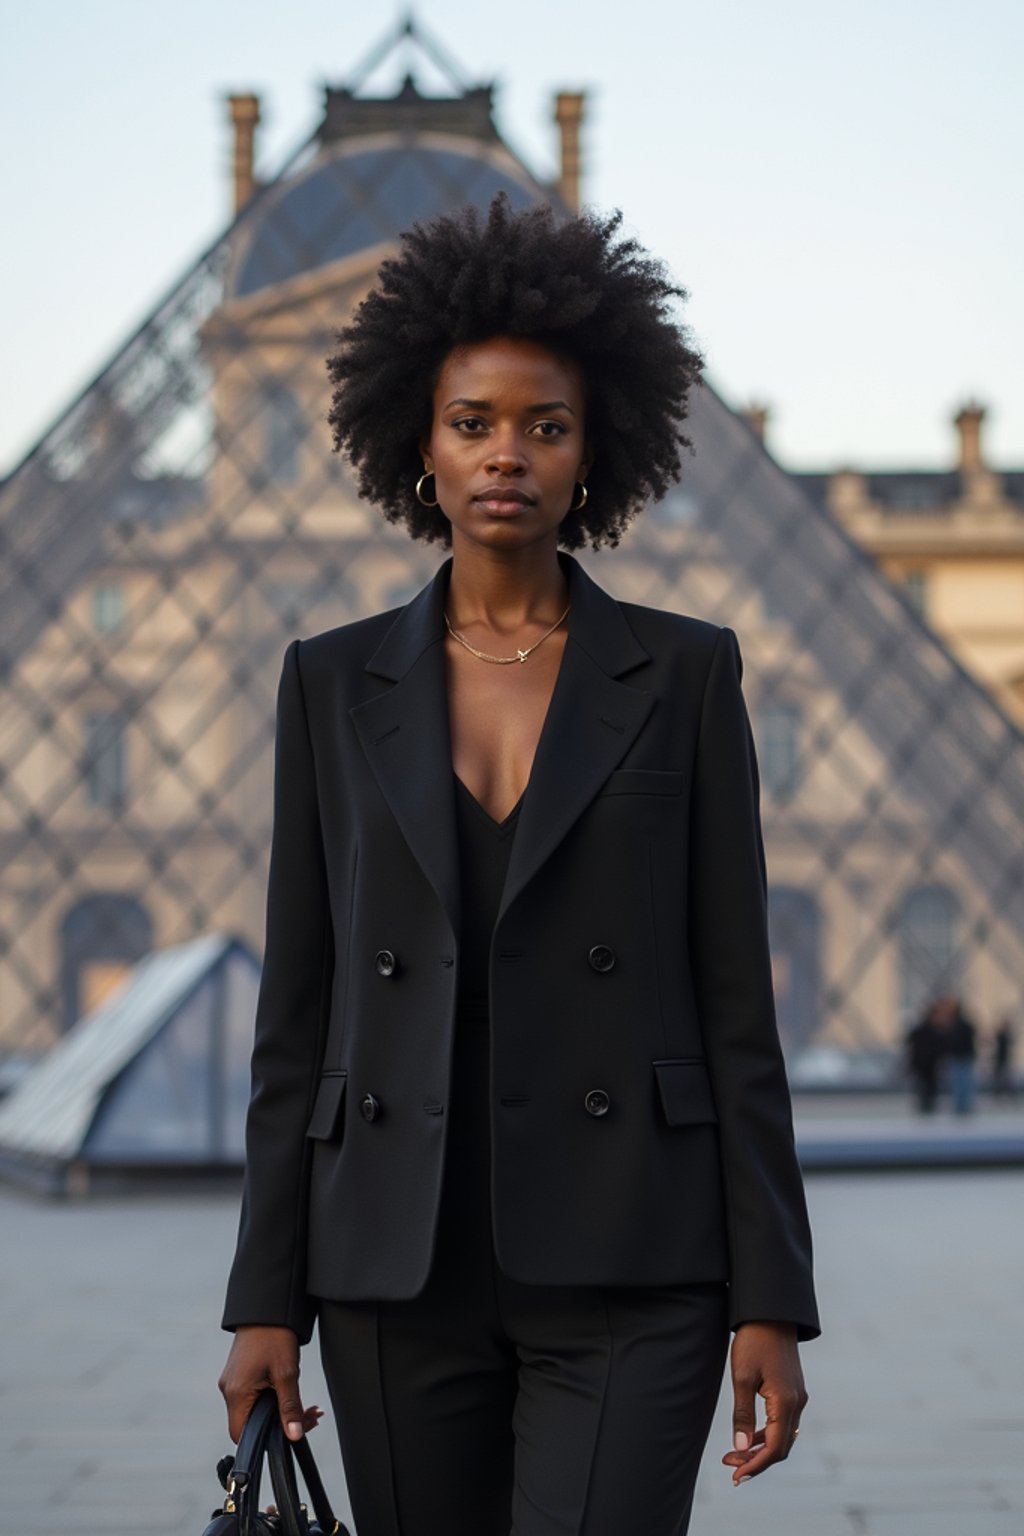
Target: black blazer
(641, 1122)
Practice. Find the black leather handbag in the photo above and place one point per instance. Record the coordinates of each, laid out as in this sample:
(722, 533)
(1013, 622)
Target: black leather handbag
(264, 1439)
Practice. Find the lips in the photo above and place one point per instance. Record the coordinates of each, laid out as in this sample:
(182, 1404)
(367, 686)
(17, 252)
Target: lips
(500, 497)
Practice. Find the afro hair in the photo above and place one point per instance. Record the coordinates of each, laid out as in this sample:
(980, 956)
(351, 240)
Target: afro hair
(572, 284)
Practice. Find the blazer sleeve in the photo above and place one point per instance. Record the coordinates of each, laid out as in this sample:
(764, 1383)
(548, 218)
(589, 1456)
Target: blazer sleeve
(267, 1279)
(769, 1233)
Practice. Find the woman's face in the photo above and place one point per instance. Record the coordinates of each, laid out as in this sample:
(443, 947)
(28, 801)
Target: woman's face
(507, 442)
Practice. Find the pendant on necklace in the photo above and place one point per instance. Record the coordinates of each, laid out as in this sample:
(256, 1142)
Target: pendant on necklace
(521, 654)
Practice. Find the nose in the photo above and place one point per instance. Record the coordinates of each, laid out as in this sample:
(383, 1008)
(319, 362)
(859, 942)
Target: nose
(505, 456)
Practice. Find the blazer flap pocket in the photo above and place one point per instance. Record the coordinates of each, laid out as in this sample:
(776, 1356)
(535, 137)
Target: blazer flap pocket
(643, 781)
(325, 1121)
(685, 1090)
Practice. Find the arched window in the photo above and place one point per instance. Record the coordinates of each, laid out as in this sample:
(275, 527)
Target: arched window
(283, 433)
(927, 946)
(778, 748)
(794, 934)
(102, 937)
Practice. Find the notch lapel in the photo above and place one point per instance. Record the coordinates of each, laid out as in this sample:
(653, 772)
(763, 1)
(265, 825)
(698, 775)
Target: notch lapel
(406, 735)
(592, 721)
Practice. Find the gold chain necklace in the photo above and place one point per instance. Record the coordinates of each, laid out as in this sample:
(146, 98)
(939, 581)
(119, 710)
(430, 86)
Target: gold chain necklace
(520, 655)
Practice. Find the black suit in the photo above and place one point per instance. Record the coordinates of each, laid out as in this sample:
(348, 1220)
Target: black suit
(641, 1124)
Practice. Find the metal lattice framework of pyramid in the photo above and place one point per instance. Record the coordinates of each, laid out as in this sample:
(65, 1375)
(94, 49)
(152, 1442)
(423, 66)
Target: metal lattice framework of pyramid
(185, 518)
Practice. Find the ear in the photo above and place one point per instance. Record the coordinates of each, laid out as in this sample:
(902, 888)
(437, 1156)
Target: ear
(586, 462)
(424, 447)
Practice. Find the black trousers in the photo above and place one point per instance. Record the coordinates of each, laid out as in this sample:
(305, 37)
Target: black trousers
(484, 1407)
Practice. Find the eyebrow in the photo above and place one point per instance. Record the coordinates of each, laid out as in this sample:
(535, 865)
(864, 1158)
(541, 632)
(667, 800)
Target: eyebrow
(485, 405)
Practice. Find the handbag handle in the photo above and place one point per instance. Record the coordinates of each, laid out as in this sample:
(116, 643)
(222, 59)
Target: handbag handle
(263, 1436)
(329, 1524)
(243, 1478)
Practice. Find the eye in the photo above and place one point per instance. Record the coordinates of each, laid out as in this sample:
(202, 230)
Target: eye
(469, 424)
(549, 428)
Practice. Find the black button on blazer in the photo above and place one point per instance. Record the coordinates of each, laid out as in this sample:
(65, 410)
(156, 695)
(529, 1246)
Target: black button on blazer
(630, 952)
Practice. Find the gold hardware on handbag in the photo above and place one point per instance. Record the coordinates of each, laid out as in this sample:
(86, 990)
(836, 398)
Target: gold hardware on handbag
(263, 1439)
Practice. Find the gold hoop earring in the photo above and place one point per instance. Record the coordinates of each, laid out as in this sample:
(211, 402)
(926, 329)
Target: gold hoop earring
(577, 506)
(428, 474)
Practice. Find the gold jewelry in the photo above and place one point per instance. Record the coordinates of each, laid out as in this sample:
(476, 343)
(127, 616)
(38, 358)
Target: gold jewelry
(427, 474)
(578, 506)
(520, 655)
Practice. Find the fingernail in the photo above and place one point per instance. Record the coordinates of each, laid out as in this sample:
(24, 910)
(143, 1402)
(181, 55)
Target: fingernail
(744, 1479)
(740, 1440)
(295, 1430)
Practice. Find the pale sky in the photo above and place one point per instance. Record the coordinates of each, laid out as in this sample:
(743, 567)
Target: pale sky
(838, 186)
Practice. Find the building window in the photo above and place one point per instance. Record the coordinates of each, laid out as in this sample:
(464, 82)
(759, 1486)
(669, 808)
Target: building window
(927, 946)
(289, 600)
(294, 601)
(108, 607)
(794, 933)
(779, 748)
(283, 433)
(773, 611)
(911, 496)
(104, 770)
(915, 584)
(102, 937)
(678, 507)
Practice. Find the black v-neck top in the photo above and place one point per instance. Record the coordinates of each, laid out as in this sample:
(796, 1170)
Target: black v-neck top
(464, 1235)
(485, 846)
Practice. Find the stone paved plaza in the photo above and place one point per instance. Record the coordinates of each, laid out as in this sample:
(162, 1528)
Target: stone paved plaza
(111, 1420)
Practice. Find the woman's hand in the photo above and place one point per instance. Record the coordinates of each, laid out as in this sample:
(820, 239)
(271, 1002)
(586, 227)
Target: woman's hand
(765, 1360)
(265, 1357)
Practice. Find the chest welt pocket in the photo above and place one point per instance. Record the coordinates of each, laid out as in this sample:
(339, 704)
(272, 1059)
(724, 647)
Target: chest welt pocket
(643, 781)
(327, 1119)
(684, 1088)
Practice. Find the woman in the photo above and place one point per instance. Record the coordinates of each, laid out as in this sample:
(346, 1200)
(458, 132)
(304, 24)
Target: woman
(520, 1136)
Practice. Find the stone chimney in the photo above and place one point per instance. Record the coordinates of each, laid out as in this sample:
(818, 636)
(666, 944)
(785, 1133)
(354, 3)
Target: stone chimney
(968, 422)
(847, 494)
(756, 417)
(245, 114)
(569, 116)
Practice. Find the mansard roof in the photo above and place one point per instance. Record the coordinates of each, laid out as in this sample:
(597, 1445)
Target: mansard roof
(909, 490)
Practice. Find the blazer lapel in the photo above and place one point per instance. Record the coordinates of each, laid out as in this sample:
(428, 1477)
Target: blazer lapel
(591, 723)
(406, 736)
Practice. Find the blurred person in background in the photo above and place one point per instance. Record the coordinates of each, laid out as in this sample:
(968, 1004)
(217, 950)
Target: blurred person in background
(925, 1054)
(962, 1050)
(1003, 1045)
